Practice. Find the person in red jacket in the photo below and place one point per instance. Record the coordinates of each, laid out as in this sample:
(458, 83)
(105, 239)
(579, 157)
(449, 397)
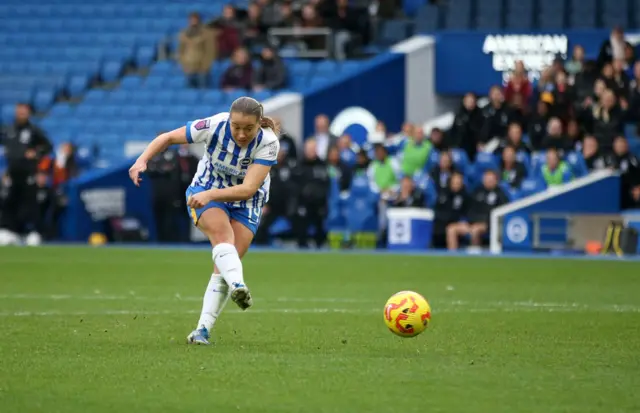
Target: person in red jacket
(518, 84)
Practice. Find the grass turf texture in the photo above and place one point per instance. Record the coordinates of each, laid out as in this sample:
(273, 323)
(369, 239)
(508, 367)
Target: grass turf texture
(103, 330)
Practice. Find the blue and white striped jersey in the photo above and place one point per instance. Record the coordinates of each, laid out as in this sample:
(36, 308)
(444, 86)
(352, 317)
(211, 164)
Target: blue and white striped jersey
(224, 162)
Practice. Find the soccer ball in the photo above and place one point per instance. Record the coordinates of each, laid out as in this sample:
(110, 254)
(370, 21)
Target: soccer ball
(407, 314)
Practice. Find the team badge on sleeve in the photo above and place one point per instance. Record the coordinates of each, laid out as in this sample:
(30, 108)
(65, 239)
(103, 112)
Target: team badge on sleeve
(202, 124)
(273, 148)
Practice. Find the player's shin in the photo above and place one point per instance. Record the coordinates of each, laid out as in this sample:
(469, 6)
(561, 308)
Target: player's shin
(215, 298)
(226, 258)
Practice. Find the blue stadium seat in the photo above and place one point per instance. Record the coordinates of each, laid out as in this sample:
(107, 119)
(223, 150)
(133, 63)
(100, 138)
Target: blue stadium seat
(43, 100)
(393, 31)
(77, 85)
(577, 164)
(111, 71)
(532, 186)
(144, 56)
(131, 82)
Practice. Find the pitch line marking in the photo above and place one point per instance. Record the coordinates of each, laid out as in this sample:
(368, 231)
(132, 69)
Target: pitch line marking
(438, 305)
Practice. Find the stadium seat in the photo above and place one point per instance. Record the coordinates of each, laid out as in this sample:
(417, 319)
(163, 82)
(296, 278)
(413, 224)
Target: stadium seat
(111, 71)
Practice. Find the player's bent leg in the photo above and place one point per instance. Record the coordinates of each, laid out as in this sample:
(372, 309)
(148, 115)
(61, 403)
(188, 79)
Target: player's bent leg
(243, 236)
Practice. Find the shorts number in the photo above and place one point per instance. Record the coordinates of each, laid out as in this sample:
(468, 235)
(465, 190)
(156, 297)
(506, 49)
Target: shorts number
(254, 214)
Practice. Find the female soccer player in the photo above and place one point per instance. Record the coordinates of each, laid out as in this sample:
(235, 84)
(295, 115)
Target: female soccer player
(226, 196)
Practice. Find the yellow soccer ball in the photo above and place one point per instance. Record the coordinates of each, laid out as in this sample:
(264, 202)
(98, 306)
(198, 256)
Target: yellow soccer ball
(407, 314)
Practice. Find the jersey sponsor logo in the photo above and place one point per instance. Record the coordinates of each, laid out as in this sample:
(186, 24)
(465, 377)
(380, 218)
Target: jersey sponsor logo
(227, 170)
(202, 124)
(273, 149)
(245, 162)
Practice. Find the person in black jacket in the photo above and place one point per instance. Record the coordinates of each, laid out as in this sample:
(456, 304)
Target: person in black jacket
(25, 144)
(538, 124)
(484, 199)
(166, 185)
(441, 173)
(466, 126)
(451, 207)
(283, 195)
(593, 157)
(496, 117)
(338, 170)
(272, 73)
(410, 195)
(512, 172)
(629, 167)
(287, 143)
(312, 177)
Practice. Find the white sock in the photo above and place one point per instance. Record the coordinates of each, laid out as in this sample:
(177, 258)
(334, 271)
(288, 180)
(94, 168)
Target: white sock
(215, 298)
(226, 258)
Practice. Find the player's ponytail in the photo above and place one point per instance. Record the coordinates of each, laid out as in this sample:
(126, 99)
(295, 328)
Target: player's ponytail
(267, 122)
(250, 106)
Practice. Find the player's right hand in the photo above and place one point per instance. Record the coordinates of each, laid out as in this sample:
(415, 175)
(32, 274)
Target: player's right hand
(135, 171)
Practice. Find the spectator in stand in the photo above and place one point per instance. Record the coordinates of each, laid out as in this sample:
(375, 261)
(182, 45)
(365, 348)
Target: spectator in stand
(593, 158)
(563, 97)
(467, 123)
(613, 48)
(538, 124)
(620, 79)
(284, 195)
(634, 98)
(312, 178)
(272, 73)
(574, 134)
(584, 81)
(629, 59)
(227, 29)
(518, 85)
(311, 20)
(545, 83)
(483, 201)
(629, 168)
(254, 32)
(271, 16)
(496, 118)
(323, 137)
(451, 207)
(555, 138)
(383, 173)
(555, 171)
(415, 153)
(410, 196)
(436, 137)
(345, 25)
(576, 63)
(348, 150)
(338, 170)
(239, 74)
(606, 74)
(607, 120)
(288, 18)
(441, 173)
(512, 172)
(514, 139)
(196, 52)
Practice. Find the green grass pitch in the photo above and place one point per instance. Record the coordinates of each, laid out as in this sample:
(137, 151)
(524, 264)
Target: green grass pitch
(102, 330)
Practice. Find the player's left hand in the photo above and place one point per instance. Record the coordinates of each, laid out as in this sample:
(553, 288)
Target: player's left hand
(199, 200)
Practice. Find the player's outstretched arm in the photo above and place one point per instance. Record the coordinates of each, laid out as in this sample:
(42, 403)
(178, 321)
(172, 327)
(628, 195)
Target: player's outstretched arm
(159, 144)
(256, 174)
